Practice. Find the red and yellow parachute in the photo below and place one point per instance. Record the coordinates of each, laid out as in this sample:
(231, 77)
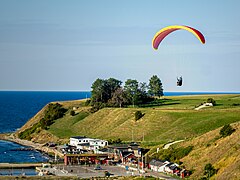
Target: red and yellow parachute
(160, 35)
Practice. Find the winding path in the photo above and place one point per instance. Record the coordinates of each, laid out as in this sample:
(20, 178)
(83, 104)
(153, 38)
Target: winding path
(166, 146)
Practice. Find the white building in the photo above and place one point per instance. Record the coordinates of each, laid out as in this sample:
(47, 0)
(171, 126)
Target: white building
(82, 142)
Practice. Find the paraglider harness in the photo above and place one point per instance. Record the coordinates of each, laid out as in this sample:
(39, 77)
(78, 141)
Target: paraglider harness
(179, 81)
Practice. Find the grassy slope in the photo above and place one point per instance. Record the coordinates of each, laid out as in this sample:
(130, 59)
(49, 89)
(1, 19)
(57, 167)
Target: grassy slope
(172, 121)
(223, 153)
(46, 136)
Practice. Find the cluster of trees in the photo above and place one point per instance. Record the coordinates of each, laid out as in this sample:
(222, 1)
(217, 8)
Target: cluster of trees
(110, 92)
(54, 111)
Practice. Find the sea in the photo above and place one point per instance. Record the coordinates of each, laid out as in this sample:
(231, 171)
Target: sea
(17, 107)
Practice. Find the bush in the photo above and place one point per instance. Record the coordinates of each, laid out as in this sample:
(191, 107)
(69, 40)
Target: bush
(138, 115)
(72, 113)
(53, 112)
(96, 106)
(236, 104)
(211, 100)
(27, 133)
(209, 170)
(227, 130)
(87, 103)
(174, 155)
(116, 141)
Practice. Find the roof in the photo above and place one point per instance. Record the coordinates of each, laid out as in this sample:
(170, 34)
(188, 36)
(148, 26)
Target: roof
(170, 164)
(86, 155)
(155, 162)
(126, 153)
(173, 167)
(133, 144)
(78, 137)
(118, 146)
(104, 150)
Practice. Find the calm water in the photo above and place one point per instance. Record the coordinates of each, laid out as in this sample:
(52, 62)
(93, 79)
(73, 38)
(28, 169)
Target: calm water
(18, 172)
(17, 107)
(11, 153)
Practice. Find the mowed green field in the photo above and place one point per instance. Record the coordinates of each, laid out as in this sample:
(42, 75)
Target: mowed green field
(174, 119)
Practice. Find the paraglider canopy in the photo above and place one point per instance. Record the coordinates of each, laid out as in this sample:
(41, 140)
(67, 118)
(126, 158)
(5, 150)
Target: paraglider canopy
(160, 35)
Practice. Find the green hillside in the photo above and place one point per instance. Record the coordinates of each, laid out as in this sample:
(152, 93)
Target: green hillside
(174, 119)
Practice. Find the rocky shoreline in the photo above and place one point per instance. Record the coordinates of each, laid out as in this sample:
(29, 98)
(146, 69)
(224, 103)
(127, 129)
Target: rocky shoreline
(37, 146)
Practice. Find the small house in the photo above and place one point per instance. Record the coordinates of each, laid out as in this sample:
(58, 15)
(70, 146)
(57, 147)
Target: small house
(128, 157)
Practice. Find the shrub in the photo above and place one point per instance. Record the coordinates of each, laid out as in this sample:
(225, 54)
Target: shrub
(27, 133)
(236, 104)
(138, 115)
(209, 170)
(53, 112)
(211, 100)
(227, 130)
(174, 155)
(96, 106)
(116, 141)
(87, 103)
(72, 113)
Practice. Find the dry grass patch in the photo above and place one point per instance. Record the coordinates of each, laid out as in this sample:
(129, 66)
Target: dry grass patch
(223, 153)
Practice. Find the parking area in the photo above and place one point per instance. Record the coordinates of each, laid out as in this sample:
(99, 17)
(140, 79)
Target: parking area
(90, 171)
(83, 171)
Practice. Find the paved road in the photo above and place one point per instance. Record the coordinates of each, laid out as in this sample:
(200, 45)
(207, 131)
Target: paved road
(88, 172)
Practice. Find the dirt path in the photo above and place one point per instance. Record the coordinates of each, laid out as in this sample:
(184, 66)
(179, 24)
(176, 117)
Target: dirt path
(166, 146)
(204, 105)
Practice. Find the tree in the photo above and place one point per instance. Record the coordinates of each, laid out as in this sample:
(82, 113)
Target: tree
(119, 98)
(131, 89)
(98, 88)
(227, 130)
(102, 90)
(155, 86)
(112, 85)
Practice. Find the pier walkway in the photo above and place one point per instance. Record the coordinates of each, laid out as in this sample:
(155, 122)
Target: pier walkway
(20, 165)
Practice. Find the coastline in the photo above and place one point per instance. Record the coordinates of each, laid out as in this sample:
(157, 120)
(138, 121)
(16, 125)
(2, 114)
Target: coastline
(36, 146)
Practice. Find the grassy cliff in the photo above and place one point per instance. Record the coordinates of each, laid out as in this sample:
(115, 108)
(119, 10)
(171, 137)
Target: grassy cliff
(173, 119)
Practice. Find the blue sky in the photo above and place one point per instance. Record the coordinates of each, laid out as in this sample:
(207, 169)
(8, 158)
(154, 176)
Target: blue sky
(66, 45)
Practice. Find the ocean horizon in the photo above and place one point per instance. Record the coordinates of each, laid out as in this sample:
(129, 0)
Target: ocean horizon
(17, 107)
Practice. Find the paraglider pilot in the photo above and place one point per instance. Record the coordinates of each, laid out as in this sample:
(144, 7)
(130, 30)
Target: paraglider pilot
(179, 81)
